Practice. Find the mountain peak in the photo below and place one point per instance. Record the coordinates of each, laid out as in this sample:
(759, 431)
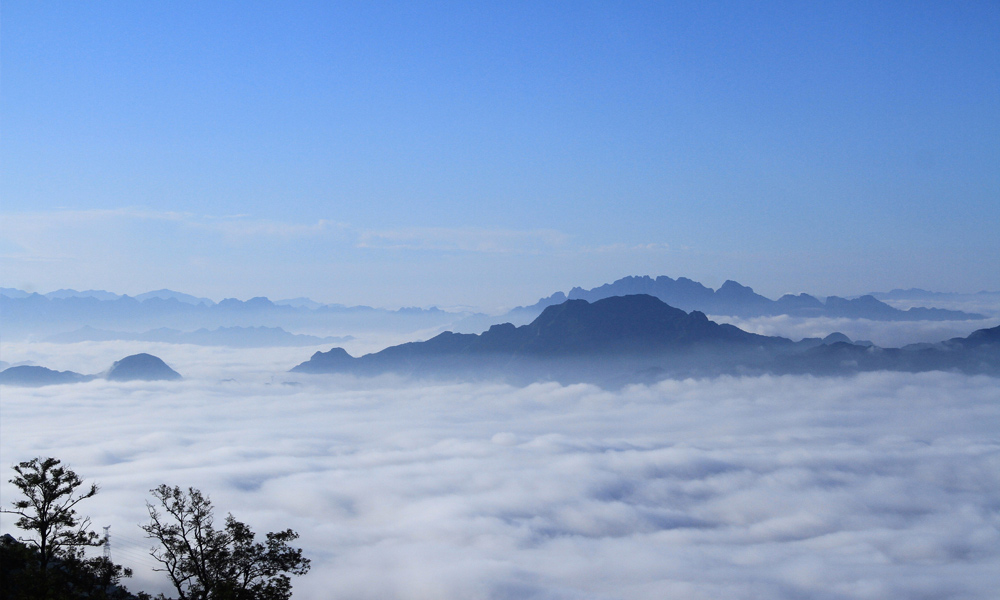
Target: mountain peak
(735, 288)
(166, 294)
(141, 367)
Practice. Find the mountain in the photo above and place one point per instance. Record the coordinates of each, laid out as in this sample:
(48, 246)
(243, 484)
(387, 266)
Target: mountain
(34, 316)
(620, 326)
(979, 353)
(623, 339)
(917, 293)
(233, 337)
(137, 367)
(170, 294)
(985, 302)
(301, 302)
(98, 294)
(575, 340)
(34, 376)
(734, 299)
(141, 367)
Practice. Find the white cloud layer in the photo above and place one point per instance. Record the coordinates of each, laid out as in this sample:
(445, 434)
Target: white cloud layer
(885, 485)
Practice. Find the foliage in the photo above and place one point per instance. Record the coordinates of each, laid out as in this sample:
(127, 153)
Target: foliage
(69, 577)
(51, 564)
(49, 508)
(206, 563)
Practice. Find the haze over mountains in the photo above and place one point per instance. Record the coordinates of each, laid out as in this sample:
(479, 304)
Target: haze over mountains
(437, 450)
(175, 317)
(734, 299)
(634, 338)
(612, 341)
(235, 337)
(605, 334)
(231, 321)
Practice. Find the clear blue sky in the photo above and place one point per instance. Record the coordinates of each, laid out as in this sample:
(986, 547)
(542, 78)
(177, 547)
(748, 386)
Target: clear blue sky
(489, 153)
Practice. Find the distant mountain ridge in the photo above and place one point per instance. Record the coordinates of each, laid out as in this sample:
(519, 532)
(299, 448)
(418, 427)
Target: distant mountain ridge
(160, 315)
(234, 337)
(636, 337)
(170, 294)
(62, 294)
(912, 293)
(734, 299)
(39, 316)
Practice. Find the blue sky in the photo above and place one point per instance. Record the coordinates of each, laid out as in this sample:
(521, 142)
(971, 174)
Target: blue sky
(487, 154)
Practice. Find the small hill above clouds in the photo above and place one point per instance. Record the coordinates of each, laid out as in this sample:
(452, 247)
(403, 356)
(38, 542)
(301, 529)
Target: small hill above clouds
(137, 367)
(141, 367)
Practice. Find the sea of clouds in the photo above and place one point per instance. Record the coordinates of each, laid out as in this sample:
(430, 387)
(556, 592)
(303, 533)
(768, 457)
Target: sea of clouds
(884, 485)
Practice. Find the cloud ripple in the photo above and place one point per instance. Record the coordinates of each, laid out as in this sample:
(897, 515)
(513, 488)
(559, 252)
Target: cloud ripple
(885, 485)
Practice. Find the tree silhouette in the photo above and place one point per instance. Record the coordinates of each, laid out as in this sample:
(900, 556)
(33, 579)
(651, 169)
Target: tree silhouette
(205, 563)
(50, 563)
(49, 508)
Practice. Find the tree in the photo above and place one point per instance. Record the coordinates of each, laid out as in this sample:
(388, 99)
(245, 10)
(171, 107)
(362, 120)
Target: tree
(51, 563)
(205, 563)
(49, 509)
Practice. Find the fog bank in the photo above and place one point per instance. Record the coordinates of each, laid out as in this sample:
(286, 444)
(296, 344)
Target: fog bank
(884, 485)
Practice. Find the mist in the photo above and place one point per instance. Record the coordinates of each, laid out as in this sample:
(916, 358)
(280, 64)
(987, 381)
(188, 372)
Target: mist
(882, 485)
(888, 334)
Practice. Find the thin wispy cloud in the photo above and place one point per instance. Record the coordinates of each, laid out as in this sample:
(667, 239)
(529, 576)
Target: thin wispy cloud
(133, 250)
(26, 226)
(652, 247)
(245, 229)
(468, 239)
(25, 232)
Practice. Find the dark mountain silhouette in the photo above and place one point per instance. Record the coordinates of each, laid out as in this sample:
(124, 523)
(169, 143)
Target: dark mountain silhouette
(141, 367)
(738, 300)
(621, 326)
(137, 367)
(638, 337)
